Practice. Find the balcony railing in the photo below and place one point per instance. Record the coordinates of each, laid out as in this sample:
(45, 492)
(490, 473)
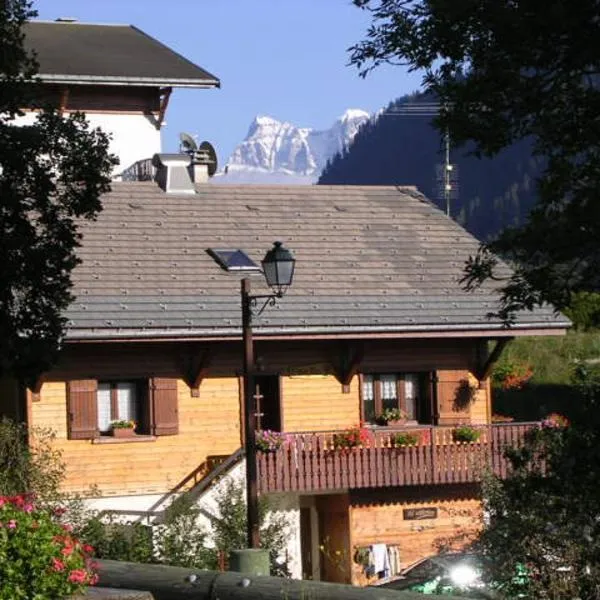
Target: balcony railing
(309, 462)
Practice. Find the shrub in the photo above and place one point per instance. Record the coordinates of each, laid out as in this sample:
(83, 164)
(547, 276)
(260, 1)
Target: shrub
(404, 439)
(465, 433)
(40, 559)
(511, 374)
(354, 437)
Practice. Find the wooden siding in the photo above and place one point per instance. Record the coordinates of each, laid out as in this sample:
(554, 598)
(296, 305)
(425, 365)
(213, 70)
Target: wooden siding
(209, 426)
(317, 403)
(380, 519)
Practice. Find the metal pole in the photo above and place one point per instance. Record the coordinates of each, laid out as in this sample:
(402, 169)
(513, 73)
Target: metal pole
(249, 419)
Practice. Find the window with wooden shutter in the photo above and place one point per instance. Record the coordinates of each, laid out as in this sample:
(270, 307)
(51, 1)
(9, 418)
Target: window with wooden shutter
(82, 409)
(163, 395)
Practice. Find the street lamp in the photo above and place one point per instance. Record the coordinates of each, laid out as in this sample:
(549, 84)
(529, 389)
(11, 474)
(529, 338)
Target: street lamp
(278, 268)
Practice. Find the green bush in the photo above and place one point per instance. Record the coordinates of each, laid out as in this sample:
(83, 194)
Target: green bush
(464, 433)
(404, 439)
(39, 558)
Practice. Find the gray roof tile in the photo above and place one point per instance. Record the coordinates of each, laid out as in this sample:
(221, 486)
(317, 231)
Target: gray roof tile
(368, 259)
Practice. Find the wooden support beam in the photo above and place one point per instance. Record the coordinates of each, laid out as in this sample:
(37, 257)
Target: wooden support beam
(196, 368)
(164, 104)
(487, 364)
(350, 360)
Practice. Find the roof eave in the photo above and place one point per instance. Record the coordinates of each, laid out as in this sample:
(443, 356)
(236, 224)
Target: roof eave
(130, 81)
(492, 330)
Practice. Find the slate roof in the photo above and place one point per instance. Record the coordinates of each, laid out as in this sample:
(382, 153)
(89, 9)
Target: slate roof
(109, 54)
(369, 260)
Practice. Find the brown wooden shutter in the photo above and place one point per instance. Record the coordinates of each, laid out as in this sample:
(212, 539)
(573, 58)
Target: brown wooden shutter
(82, 409)
(165, 416)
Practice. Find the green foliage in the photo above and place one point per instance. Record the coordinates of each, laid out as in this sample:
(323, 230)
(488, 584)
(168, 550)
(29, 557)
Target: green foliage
(390, 415)
(52, 172)
(180, 540)
(39, 558)
(544, 516)
(229, 526)
(464, 433)
(584, 311)
(25, 468)
(404, 439)
(119, 541)
(490, 65)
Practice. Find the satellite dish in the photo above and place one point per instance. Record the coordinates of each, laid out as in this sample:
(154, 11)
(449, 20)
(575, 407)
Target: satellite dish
(187, 143)
(209, 158)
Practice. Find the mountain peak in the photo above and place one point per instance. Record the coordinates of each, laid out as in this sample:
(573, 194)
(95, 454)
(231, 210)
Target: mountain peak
(273, 146)
(354, 113)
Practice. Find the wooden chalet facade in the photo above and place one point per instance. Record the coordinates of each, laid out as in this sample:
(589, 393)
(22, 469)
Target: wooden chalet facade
(376, 318)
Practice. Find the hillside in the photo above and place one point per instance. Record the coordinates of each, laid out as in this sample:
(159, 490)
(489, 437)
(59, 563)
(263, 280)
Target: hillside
(394, 149)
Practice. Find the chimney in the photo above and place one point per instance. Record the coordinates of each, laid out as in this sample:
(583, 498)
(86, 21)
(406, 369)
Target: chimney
(172, 173)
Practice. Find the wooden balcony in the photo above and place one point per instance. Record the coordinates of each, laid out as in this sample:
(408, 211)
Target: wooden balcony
(308, 462)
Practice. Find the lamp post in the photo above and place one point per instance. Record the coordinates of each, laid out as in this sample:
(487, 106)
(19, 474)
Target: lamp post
(278, 268)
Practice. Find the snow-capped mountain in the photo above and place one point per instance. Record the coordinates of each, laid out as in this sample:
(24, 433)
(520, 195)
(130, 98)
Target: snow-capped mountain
(279, 152)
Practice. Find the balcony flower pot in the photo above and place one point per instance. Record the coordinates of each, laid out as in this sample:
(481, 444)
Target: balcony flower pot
(122, 429)
(404, 440)
(391, 417)
(269, 441)
(466, 434)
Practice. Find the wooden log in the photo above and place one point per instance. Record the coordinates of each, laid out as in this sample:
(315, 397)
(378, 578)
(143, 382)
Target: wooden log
(177, 583)
(101, 593)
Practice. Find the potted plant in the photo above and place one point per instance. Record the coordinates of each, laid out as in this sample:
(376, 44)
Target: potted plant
(465, 433)
(391, 416)
(122, 428)
(354, 437)
(399, 440)
(269, 441)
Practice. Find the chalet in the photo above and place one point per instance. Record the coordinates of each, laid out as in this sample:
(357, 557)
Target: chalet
(376, 319)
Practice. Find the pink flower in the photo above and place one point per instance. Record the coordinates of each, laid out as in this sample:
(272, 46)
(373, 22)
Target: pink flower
(28, 508)
(58, 565)
(12, 524)
(78, 576)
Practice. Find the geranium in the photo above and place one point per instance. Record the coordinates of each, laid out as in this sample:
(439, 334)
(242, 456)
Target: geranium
(39, 558)
(269, 441)
(554, 421)
(354, 437)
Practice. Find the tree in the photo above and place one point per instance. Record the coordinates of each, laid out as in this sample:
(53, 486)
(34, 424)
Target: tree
(542, 530)
(504, 71)
(52, 173)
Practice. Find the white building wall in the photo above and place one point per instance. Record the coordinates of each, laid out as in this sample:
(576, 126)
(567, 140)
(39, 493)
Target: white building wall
(133, 136)
(287, 505)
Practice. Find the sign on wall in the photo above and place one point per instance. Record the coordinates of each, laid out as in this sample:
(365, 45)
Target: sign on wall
(418, 514)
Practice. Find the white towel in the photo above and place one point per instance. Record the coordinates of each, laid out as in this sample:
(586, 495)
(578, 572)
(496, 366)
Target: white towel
(381, 560)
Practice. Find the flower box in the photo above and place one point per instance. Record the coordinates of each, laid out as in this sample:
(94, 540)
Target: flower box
(123, 432)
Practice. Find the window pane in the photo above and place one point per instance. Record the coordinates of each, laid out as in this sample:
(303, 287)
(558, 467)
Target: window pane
(368, 398)
(104, 416)
(389, 391)
(126, 400)
(411, 394)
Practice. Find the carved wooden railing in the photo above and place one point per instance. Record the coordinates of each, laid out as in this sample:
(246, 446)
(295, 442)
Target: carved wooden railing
(309, 462)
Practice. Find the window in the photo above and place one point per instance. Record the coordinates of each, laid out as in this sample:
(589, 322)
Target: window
(92, 405)
(406, 391)
(119, 401)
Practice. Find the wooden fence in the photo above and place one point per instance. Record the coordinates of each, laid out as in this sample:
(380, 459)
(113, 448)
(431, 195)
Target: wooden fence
(310, 461)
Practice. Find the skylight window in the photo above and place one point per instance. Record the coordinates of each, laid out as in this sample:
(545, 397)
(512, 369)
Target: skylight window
(233, 260)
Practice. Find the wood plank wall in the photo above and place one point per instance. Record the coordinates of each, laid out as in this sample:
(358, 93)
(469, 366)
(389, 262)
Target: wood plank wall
(378, 517)
(210, 423)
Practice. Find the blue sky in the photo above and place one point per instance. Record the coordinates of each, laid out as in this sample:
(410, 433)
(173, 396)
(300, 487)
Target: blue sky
(283, 58)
